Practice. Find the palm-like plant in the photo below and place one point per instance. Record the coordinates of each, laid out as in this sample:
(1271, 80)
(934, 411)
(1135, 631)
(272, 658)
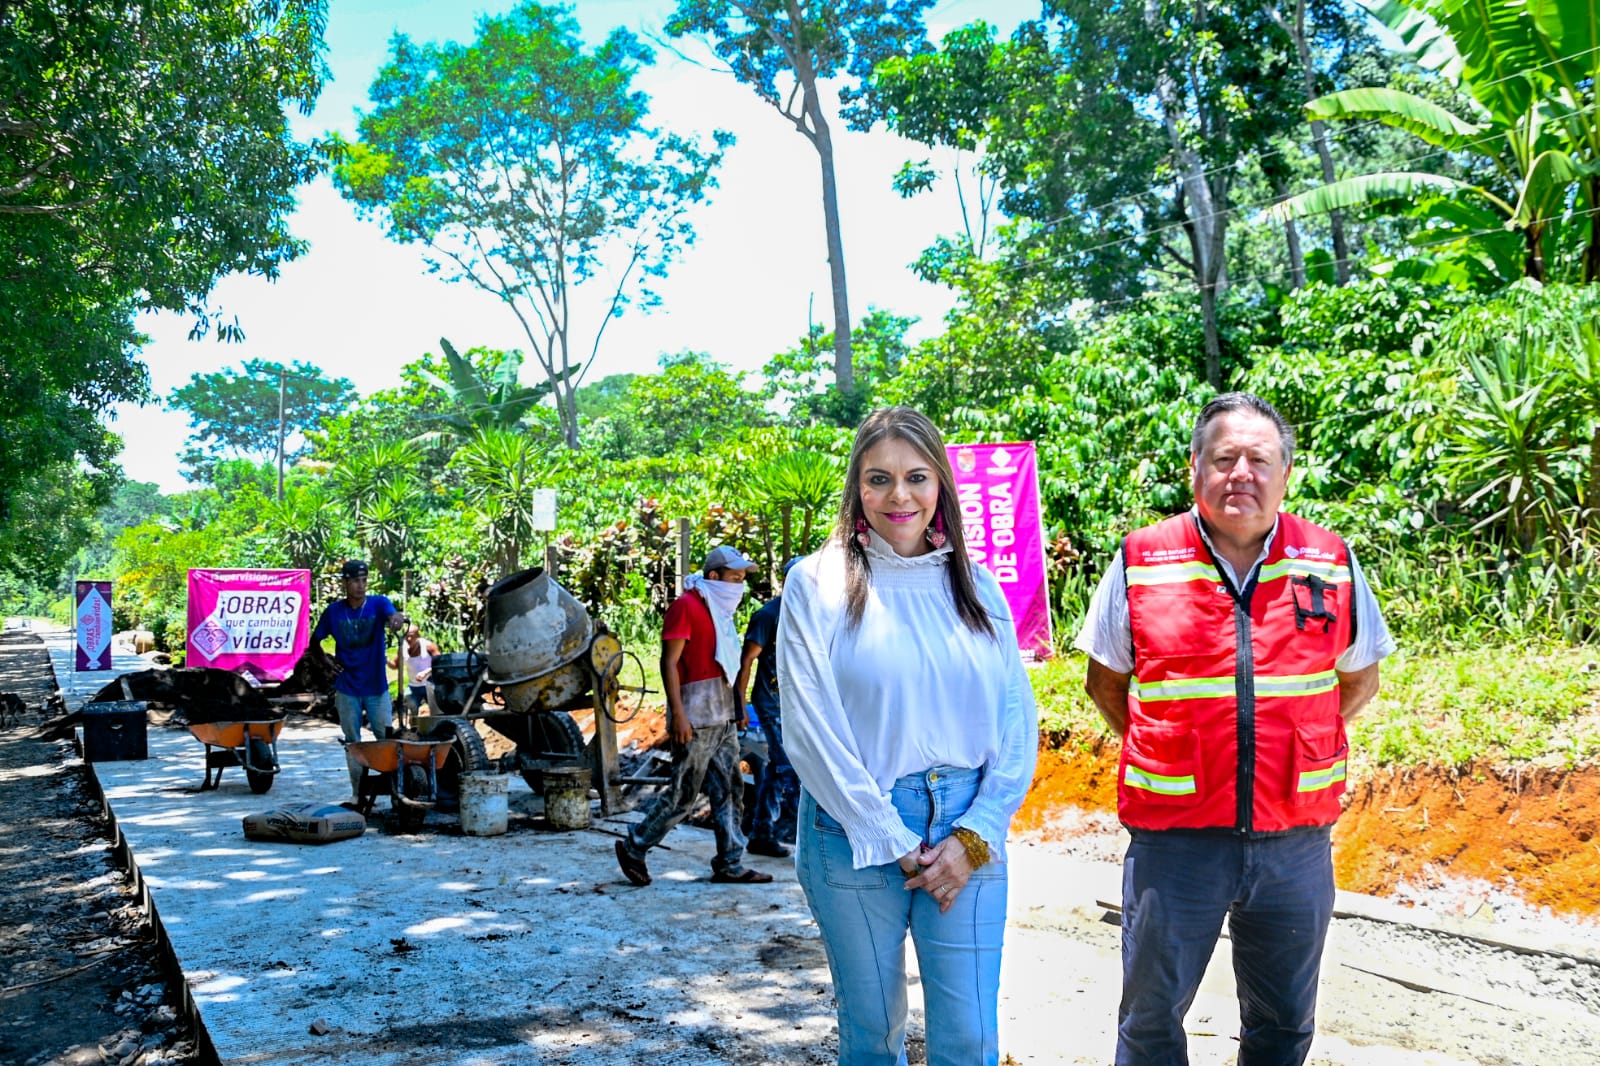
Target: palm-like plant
(304, 525)
(804, 480)
(482, 399)
(378, 484)
(500, 468)
(1531, 69)
(1525, 430)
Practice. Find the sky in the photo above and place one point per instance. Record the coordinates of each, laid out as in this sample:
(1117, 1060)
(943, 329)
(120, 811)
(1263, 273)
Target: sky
(361, 306)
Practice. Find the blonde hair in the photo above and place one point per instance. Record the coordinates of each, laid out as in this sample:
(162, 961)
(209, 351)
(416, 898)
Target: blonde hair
(915, 428)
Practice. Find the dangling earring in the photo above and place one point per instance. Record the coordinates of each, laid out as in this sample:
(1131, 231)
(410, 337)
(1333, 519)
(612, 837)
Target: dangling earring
(935, 533)
(863, 538)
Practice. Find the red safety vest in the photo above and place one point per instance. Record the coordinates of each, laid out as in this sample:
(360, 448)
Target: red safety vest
(1233, 707)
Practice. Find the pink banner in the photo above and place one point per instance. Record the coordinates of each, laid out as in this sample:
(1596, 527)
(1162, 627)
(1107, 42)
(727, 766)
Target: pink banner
(997, 486)
(253, 622)
(93, 623)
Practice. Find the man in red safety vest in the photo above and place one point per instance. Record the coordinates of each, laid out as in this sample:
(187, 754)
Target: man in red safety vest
(1229, 646)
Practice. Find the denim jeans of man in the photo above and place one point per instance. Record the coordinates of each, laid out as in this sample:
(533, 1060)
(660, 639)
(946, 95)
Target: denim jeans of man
(709, 760)
(864, 916)
(778, 796)
(379, 714)
(1277, 894)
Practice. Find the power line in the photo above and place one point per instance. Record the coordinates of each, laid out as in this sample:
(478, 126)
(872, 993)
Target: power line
(1028, 267)
(1451, 239)
(1342, 131)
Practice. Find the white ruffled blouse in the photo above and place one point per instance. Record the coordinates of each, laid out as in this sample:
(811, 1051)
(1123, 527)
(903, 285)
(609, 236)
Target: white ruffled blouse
(908, 689)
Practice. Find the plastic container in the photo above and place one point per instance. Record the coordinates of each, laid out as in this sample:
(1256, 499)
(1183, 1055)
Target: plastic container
(115, 731)
(566, 797)
(483, 804)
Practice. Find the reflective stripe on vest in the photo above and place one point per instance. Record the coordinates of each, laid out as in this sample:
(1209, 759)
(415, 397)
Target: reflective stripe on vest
(1173, 573)
(1332, 573)
(1167, 785)
(1316, 780)
(1192, 688)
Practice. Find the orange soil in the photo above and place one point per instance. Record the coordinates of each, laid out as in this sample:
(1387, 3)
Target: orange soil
(1533, 832)
(1536, 829)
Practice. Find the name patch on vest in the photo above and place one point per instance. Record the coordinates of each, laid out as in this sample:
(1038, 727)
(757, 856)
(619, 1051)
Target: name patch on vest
(1157, 556)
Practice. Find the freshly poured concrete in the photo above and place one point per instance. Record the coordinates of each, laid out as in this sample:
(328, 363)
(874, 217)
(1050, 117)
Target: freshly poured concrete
(443, 948)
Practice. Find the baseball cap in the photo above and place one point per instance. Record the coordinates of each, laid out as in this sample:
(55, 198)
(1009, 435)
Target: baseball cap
(727, 557)
(353, 568)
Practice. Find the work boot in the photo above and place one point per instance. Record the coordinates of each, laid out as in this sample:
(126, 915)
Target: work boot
(770, 848)
(633, 869)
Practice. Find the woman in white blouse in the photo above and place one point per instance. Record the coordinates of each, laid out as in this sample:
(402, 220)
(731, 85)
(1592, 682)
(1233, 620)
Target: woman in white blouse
(911, 723)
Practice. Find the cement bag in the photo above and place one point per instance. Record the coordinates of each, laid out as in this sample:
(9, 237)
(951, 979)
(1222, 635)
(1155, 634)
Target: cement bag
(305, 823)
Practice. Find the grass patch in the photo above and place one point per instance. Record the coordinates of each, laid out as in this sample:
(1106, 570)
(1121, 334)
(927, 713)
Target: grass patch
(1499, 703)
(1502, 704)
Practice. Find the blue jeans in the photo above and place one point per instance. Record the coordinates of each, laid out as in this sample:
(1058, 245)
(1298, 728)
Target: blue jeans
(711, 760)
(1277, 893)
(379, 713)
(864, 916)
(778, 796)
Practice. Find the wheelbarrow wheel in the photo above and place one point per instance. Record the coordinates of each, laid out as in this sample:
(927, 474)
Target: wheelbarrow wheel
(414, 785)
(260, 754)
(467, 755)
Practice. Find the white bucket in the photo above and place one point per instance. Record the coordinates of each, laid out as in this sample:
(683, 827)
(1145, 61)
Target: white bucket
(483, 804)
(566, 797)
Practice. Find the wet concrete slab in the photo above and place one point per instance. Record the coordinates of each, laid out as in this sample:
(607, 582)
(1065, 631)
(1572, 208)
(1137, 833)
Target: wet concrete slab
(436, 947)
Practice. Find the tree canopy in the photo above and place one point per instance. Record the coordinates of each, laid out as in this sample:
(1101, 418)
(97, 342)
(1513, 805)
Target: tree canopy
(144, 153)
(785, 50)
(238, 410)
(524, 164)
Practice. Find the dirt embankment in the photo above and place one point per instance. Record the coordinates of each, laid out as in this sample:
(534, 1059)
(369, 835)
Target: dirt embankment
(1533, 832)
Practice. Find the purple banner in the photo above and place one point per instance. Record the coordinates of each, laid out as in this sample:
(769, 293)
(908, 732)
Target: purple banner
(997, 488)
(249, 621)
(93, 615)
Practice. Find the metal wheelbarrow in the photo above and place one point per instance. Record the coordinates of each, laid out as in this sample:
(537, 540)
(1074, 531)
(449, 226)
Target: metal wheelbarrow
(252, 745)
(404, 770)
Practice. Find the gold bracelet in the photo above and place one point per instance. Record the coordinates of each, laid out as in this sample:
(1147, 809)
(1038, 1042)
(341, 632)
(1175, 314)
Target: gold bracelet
(977, 850)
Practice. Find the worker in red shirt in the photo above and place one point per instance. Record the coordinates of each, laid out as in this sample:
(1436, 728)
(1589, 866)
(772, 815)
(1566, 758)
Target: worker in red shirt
(700, 656)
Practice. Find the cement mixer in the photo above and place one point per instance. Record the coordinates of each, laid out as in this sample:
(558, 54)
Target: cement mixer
(543, 659)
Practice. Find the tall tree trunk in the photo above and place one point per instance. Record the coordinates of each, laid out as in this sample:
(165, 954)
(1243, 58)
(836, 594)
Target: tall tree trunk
(1533, 267)
(1591, 254)
(1291, 239)
(1591, 508)
(567, 410)
(843, 365)
(1205, 207)
(1319, 137)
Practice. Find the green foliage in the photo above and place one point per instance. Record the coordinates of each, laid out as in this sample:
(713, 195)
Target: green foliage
(1531, 70)
(524, 165)
(1111, 417)
(1007, 326)
(1524, 432)
(1355, 373)
(801, 375)
(482, 389)
(144, 153)
(239, 410)
(182, 103)
(500, 469)
(151, 589)
(686, 409)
